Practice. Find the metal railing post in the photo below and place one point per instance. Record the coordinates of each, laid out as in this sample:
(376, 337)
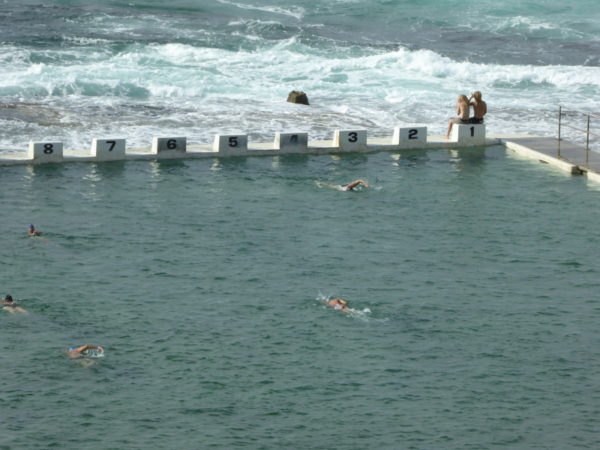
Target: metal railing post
(559, 119)
(587, 142)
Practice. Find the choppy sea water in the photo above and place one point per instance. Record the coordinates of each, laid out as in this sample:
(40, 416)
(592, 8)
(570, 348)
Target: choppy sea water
(74, 70)
(473, 274)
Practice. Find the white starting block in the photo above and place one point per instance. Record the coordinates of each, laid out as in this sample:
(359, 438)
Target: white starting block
(350, 140)
(410, 137)
(45, 151)
(468, 134)
(291, 142)
(230, 144)
(108, 149)
(168, 144)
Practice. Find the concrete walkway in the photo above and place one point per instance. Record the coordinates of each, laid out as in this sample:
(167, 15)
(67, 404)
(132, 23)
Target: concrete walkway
(566, 155)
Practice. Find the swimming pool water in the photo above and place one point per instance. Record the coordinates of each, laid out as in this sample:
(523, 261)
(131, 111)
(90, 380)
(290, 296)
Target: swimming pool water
(202, 278)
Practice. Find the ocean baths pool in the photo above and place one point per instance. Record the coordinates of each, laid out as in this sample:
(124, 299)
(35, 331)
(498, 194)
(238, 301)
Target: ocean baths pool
(475, 274)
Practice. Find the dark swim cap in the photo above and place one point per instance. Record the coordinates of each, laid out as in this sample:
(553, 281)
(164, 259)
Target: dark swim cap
(8, 297)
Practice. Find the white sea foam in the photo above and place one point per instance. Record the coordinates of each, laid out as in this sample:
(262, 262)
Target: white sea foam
(246, 90)
(296, 11)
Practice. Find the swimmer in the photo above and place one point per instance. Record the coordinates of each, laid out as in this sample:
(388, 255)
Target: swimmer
(10, 306)
(32, 231)
(339, 304)
(355, 184)
(75, 351)
(346, 187)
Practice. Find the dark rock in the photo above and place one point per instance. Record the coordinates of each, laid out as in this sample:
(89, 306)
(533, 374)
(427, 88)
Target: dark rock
(298, 97)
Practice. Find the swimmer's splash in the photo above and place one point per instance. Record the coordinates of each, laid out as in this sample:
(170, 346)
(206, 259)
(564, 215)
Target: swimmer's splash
(353, 312)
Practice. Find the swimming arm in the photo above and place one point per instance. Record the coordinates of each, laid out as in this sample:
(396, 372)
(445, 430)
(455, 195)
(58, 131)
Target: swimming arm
(356, 183)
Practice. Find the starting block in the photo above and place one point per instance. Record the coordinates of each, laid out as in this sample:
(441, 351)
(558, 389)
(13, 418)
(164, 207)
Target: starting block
(108, 149)
(291, 142)
(45, 151)
(468, 134)
(350, 140)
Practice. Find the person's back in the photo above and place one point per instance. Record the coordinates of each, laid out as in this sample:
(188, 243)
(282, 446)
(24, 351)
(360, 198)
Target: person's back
(462, 107)
(479, 107)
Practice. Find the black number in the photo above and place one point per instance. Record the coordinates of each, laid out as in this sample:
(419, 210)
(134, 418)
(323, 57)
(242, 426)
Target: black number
(412, 134)
(48, 149)
(294, 139)
(172, 144)
(352, 137)
(233, 141)
(112, 145)
(472, 131)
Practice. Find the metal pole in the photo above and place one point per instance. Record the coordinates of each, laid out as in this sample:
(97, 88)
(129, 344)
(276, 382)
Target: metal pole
(587, 142)
(559, 118)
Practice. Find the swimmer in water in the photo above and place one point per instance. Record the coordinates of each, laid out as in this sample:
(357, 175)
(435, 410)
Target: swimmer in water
(339, 304)
(347, 187)
(32, 231)
(75, 351)
(10, 305)
(355, 184)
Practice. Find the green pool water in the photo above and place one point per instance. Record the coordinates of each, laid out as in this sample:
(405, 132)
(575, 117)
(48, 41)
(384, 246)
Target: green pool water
(473, 276)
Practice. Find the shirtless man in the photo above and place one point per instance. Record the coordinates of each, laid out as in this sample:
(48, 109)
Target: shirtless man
(479, 108)
(462, 111)
(338, 303)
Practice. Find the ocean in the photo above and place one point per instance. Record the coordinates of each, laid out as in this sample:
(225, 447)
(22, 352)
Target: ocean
(78, 70)
(471, 273)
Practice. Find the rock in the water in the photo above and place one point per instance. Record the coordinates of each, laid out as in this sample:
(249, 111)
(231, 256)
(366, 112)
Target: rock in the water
(298, 97)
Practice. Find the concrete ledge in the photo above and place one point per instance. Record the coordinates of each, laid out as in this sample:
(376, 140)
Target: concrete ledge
(530, 153)
(592, 176)
(344, 141)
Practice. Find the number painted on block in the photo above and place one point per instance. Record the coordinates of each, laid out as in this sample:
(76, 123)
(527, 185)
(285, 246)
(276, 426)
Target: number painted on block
(472, 131)
(412, 133)
(294, 139)
(233, 141)
(112, 145)
(48, 149)
(352, 137)
(172, 144)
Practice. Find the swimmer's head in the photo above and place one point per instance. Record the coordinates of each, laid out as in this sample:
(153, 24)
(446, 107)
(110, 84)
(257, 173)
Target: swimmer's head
(8, 298)
(31, 227)
(72, 347)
